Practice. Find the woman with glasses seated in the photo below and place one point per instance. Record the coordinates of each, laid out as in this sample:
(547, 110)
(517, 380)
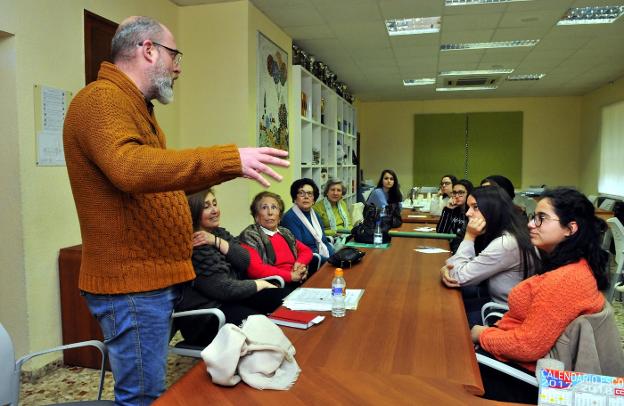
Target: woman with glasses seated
(303, 222)
(496, 248)
(332, 209)
(274, 250)
(453, 218)
(221, 266)
(573, 271)
(444, 194)
(387, 191)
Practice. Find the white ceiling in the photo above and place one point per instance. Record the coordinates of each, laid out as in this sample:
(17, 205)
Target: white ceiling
(350, 37)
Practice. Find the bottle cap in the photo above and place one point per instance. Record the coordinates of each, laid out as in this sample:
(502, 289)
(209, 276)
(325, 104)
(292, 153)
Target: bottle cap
(338, 272)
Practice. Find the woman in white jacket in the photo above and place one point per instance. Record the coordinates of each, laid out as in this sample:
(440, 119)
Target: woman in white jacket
(495, 254)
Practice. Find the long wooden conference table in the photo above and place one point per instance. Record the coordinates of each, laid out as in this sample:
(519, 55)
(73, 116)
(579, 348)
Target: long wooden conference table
(407, 343)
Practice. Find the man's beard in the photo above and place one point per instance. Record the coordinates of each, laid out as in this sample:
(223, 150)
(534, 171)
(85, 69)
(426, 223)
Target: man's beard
(162, 83)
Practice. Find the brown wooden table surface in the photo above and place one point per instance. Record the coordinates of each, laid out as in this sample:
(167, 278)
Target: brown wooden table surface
(408, 339)
(410, 216)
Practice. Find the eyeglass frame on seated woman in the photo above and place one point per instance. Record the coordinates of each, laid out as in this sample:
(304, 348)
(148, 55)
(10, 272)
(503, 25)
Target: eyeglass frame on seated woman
(541, 217)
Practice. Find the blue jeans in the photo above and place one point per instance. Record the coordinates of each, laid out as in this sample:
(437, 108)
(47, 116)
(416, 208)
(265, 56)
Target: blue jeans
(136, 331)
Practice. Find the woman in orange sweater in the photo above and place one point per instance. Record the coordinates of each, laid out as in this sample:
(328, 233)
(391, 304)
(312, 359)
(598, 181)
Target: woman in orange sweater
(573, 270)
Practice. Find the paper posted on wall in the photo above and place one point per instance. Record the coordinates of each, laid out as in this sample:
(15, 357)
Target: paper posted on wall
(566, 388)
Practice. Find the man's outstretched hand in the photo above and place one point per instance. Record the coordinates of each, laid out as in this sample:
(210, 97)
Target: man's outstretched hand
(255, 162)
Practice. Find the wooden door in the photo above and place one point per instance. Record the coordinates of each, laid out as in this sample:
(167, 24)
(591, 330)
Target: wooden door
(98, 34)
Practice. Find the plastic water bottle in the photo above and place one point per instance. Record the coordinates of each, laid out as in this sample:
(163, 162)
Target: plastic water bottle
(339, 292)
(377, 236)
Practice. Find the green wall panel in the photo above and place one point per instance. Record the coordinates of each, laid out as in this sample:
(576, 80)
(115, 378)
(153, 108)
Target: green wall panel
(438, 147)
(494, 146)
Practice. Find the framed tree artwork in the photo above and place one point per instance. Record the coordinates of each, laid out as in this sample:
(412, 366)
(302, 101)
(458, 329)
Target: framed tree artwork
(272, 95)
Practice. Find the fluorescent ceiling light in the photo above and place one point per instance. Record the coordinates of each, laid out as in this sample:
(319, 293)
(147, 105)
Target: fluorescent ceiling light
(591, 15)
(476, 72)
(410, 26)
(529, 76)
(460, 88)
(473, 2)
(418, 82)
(488, 45)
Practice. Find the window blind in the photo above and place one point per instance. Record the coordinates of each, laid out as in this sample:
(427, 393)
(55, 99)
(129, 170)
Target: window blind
(612, 150)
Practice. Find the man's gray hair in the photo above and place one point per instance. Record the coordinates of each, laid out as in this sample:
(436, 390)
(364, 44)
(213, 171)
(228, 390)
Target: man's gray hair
(130, 34)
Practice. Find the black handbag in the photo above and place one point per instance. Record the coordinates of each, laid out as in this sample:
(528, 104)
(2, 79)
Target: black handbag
(364, 232)
(346, 257)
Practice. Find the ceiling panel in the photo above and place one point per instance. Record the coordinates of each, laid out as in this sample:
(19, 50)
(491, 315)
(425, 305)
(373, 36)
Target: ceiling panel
(341, 12)
(406, 41)
(538, 19)
(451, 23)
(410, 8)
(289, 16)
(309, 32)
(462, 37)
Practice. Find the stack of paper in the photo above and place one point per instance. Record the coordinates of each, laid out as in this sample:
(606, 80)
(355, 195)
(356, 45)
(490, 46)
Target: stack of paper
(315, 299)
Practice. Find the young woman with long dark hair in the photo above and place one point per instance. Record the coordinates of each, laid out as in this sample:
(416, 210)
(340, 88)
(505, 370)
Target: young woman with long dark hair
(387, 190)
(496, 248)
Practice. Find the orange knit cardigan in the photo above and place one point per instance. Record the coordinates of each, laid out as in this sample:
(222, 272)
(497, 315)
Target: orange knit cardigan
(128, 189)
(540, 309)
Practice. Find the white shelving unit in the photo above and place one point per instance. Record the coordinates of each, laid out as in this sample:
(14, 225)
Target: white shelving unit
(323, 134)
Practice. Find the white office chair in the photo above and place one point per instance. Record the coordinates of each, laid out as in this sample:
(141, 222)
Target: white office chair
(527, 203)
(616, 284)
(491, 312)
(593, 199)
(600, 354)
(607, 204)
(10, 370)
(357, 213)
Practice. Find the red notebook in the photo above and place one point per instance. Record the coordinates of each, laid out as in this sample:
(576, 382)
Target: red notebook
(294, 318)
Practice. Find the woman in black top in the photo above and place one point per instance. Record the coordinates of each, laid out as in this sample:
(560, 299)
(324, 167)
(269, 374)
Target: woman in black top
(220, 264)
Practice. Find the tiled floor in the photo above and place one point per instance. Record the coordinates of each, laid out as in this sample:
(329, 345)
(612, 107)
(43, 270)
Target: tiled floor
(74, 383)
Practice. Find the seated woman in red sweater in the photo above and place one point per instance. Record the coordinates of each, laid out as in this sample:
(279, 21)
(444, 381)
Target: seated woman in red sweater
(273, 249)
(573, 271)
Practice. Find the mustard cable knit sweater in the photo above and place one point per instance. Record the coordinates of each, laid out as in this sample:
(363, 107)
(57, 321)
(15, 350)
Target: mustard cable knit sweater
(128, 189)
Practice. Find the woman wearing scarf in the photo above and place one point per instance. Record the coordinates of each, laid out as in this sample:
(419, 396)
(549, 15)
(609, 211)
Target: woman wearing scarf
(303, 222)
(332, 209)
(273, 250)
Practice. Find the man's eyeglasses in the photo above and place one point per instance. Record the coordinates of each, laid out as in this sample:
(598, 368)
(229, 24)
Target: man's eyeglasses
(304, 193)
(458, 192)
(175, 54)
(538, 219)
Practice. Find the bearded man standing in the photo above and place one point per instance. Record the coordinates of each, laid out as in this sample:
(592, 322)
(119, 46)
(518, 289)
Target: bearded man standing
(129, 193)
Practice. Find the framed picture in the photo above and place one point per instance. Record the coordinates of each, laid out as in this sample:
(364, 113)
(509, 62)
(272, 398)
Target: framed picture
(272, 93)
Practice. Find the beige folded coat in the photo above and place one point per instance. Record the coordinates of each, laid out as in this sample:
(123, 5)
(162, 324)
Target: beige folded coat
(258, 353)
